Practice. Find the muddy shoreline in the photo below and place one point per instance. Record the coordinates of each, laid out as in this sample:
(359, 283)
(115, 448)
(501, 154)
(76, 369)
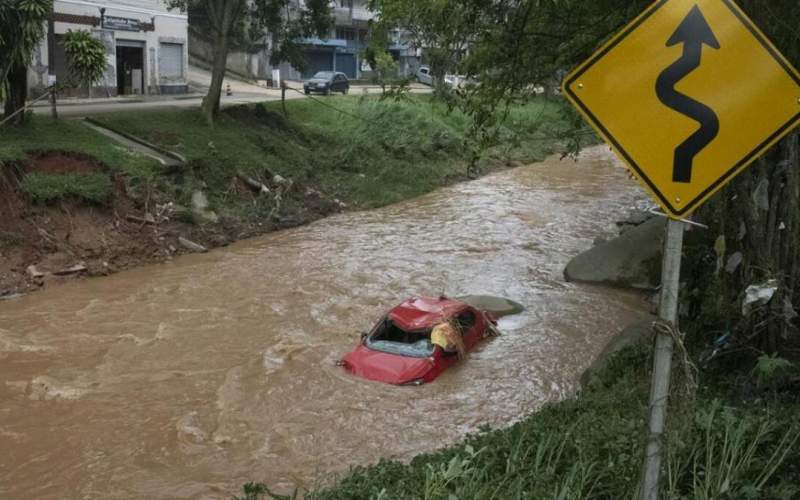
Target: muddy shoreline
(42, 245)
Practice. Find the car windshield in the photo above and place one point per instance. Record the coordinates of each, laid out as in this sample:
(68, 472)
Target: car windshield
(389, 338)
(324, 75)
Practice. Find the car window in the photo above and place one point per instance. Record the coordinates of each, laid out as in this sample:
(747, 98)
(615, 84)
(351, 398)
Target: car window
(466, 321)
(323, 74)
(424, 71)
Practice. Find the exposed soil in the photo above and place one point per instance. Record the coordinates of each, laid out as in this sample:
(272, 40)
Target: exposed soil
(40, 245)
(57, 162)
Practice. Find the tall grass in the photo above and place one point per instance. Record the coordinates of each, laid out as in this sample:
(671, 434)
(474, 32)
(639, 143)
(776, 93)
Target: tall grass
(364, 151)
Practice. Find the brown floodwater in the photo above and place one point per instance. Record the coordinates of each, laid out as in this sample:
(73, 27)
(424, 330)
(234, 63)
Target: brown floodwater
(187, 379)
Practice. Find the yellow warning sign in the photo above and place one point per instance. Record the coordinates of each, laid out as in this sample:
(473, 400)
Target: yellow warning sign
(688, 95)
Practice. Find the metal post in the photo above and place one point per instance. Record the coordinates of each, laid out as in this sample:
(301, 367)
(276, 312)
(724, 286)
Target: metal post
(283, 97)
(662, 362)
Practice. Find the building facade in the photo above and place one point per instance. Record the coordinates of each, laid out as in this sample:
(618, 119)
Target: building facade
(343, 49)
(146, 46)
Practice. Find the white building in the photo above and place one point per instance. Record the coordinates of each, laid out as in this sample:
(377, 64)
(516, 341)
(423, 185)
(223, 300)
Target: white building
(146, 46)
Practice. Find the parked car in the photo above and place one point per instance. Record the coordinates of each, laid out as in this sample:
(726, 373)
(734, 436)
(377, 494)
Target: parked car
(424, 75)
(326, 82)
(398, 350)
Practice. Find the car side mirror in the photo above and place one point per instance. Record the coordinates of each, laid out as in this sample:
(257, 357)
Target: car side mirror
(364, 336)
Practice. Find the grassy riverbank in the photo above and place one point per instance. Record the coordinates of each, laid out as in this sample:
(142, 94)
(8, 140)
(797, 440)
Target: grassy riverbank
(362, 151)
(720, 447)
(257, 170)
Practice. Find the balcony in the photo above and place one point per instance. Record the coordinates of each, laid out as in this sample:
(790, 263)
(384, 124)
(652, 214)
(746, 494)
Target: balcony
(324, 43)
(362, 14)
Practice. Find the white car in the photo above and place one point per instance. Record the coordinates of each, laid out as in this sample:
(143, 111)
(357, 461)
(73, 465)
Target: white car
(424, 75)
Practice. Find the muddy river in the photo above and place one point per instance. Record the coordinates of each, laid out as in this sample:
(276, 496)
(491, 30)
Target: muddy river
(185, 380)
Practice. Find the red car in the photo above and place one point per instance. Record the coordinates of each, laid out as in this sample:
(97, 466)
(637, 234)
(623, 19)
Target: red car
(399, 351)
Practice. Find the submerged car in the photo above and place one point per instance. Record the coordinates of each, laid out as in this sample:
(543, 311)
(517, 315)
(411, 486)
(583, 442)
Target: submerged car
(398, 350)
(326, 82)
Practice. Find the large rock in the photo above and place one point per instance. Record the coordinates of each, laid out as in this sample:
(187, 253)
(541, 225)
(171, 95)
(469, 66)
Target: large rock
(498, 306)
(640, 331)
(630, 260)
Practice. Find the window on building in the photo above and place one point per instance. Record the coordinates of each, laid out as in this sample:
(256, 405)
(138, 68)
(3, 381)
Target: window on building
(170, 60)
(348, 4)
(345, 34)
(363, 35)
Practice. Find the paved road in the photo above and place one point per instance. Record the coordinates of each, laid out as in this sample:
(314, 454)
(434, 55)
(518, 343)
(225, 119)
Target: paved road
(98, 107)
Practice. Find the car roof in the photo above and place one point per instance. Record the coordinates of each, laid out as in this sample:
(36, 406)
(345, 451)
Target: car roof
(420, 313)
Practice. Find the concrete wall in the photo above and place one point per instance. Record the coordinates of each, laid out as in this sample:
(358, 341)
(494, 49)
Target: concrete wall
(153, 24)
(254, 65)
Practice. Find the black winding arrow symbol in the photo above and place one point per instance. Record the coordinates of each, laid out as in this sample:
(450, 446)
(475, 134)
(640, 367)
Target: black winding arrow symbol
(693, 32)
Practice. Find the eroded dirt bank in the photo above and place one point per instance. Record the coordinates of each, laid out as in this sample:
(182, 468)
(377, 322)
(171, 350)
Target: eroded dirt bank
(46, 243)
(185, 380)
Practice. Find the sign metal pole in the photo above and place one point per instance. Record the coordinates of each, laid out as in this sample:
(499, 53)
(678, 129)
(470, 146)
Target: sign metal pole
(662, 359)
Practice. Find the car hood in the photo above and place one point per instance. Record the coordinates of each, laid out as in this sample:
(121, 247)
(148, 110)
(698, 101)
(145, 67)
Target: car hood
(384, 367)
(318, 80)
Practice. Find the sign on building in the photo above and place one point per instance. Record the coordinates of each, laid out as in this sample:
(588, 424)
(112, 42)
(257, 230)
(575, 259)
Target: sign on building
(121, 23)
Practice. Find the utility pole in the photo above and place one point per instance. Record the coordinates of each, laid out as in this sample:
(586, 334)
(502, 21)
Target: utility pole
(662, 359)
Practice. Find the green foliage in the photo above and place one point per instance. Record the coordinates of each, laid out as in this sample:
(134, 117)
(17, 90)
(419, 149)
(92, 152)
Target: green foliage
(22, 24)
(385, 70)
(44, 188)
(732, 454)
(86, 57)
(770, 368)
(379, 152)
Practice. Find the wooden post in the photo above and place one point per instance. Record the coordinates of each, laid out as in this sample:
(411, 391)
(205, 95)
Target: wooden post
(662, 360)
(53, 109)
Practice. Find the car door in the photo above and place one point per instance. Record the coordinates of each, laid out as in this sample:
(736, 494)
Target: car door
(337, 83)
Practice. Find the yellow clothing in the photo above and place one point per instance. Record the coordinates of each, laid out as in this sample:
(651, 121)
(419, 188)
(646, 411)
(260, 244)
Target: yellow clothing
(441, 336)
(448, 338)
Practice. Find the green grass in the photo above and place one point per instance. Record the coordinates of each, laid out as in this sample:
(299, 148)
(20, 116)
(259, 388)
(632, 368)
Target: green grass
(44, 188)
(590, 446)
(44, 134)
(367, 152)
(377, 152)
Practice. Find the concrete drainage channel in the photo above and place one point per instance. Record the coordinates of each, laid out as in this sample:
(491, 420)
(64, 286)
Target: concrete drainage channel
(168, 159)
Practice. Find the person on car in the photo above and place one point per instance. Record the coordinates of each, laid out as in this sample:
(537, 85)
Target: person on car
(447, 335)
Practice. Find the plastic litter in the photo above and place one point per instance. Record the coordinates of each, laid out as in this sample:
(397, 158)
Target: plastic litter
(758, 295)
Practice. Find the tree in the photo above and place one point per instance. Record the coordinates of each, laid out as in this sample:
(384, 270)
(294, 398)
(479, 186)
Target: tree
(22, 26)
(512, 47)
(86, 58)
(240, 22)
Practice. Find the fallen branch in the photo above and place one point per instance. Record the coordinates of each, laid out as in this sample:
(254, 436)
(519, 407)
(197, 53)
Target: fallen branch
(147, 219)
(253, 184)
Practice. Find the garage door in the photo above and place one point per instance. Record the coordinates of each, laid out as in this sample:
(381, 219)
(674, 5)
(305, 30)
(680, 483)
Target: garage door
(170, 60)
(346, 63)
(318, 61)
